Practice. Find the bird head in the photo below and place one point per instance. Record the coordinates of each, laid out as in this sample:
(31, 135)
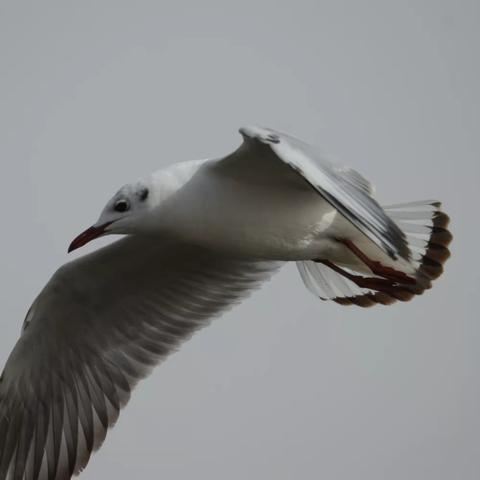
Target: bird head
(120, 215)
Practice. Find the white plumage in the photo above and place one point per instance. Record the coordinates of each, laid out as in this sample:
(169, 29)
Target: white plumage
(200, 237)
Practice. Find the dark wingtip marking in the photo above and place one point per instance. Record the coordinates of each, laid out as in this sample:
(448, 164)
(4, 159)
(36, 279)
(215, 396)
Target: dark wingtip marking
(441, 236)
(438, 253)
(363, 301)
(440, 220)
(368, 300)
(383, 298)
(432, 266)
(403, 294)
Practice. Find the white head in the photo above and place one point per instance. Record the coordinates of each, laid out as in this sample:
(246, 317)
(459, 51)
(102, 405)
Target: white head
(122, 214)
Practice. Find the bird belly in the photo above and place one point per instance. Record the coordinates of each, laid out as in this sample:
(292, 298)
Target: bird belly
(257, 221)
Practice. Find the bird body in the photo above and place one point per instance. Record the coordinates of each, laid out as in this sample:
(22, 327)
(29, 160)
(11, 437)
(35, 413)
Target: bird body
(199, 237)
(263, 220)
(251, 213)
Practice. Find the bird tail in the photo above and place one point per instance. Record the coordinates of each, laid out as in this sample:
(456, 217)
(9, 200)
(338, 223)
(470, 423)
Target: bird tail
(425, 226)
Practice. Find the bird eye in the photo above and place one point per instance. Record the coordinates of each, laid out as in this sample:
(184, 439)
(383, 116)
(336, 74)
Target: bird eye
(122, 206)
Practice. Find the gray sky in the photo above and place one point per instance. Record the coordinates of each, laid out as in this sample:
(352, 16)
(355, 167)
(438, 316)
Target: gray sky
(95, 94)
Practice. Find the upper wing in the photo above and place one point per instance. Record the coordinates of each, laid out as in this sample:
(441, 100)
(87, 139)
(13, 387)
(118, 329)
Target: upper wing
(99, 326)
(344, 188)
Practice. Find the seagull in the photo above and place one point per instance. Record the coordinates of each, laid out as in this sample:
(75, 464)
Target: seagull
(198, 237)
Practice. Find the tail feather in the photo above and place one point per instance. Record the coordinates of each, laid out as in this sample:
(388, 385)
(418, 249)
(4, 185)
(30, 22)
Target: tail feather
(425, 226)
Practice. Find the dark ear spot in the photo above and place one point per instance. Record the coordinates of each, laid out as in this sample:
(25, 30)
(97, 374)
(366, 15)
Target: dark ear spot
(143, 194)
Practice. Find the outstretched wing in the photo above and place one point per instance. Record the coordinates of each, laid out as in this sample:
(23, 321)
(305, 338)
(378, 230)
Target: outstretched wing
(98, 327)
(344, 188)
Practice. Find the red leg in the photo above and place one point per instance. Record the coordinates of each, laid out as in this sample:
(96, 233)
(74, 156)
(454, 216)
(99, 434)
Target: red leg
(377, 268)
(377, 284)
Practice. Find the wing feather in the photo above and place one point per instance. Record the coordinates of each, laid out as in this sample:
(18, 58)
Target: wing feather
(348, 191)
(98, 327)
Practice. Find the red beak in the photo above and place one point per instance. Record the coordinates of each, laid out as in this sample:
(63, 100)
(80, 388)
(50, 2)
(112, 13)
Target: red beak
(87, 236)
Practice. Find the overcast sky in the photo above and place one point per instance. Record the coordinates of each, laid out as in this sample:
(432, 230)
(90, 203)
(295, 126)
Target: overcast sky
(94, 94)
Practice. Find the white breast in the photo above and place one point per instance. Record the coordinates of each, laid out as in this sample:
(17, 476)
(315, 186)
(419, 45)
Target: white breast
(251, 219)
